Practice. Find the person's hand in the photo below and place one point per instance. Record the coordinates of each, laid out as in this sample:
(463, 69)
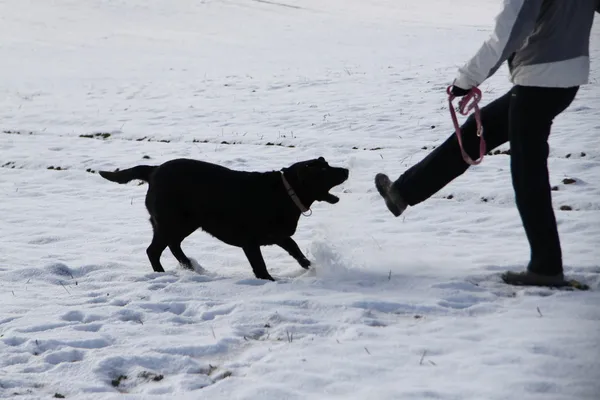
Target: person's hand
(458, 91)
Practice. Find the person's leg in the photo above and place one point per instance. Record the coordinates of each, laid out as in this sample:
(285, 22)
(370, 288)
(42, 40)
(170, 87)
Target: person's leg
(445, 163)
(532, 110)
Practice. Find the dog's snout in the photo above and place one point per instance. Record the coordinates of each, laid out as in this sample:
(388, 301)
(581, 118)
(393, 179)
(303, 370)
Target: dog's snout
(343, 173)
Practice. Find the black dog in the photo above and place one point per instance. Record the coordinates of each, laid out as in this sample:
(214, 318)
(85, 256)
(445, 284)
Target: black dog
(243, 209)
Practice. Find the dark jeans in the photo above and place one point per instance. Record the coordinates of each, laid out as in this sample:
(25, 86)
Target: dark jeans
(522, 116)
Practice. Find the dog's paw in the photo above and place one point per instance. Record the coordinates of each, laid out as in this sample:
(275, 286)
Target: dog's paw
(304, 263)
(195, 266)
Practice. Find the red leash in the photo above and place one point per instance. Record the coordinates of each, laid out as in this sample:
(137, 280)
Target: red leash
(465, 105)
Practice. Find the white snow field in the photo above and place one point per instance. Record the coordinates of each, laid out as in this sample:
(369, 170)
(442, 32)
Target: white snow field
(394, 308)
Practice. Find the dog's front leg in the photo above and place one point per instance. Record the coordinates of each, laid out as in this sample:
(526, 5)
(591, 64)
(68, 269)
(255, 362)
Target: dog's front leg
(290, 245)
(257, 262)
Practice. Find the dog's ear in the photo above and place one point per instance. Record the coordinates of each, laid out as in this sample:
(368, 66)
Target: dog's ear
(321, 159)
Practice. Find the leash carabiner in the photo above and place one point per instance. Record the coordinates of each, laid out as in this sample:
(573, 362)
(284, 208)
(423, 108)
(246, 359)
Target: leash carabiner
(469, 102)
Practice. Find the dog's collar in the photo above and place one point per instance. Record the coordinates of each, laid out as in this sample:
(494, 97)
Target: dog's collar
(294, 196)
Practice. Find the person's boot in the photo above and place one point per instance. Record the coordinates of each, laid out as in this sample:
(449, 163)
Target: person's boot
(528, 278)
(393, 200)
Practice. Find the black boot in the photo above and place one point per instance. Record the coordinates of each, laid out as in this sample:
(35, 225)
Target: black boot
(529, 278)
(393, 200)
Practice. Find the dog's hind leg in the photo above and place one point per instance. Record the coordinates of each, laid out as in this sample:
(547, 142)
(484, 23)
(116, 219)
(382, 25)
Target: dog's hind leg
(257, 262)
(175, 248)
(154, 251)
(178, 229)
(290, 245)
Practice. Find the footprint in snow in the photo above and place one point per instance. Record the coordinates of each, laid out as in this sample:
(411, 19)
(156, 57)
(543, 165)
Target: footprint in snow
(253, 282)
(64, 356)
(78, 316)
(396, 308)
(88, 327)
(462, 286)
(151, 372)
(43, 327)
(461, 301)
(130, 316)
(210, 315)
(174, 308)
(14, 341)
(157, 286)
(98, 297)
(119, 302)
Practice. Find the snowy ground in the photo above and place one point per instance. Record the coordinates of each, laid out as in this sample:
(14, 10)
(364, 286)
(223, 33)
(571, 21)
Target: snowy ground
(407, 308)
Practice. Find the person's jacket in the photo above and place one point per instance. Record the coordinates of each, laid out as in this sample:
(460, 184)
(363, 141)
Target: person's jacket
(546, 43)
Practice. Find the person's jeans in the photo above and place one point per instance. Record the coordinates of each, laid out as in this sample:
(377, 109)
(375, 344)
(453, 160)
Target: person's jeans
(522, 116)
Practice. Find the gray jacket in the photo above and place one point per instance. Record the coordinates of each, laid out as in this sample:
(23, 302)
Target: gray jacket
(546, 43)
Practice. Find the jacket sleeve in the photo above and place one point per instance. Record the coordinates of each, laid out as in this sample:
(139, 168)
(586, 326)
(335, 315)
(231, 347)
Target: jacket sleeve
(513, 26)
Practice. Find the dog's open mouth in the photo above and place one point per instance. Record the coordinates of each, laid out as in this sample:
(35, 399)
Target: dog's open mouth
(343, 175)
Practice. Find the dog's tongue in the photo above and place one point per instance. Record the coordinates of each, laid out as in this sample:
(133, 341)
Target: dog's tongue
(331, 199)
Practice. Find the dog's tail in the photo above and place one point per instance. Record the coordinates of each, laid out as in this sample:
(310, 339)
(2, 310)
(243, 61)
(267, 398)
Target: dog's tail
(141, 172)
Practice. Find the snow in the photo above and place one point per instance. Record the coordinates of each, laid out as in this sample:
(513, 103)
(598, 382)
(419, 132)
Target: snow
(394, 308)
